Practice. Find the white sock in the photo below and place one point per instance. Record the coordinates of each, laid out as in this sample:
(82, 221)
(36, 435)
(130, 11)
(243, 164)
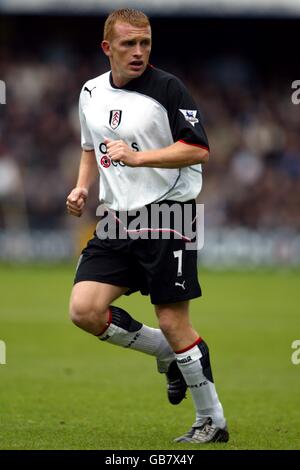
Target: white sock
(123, 330)
(195, 367)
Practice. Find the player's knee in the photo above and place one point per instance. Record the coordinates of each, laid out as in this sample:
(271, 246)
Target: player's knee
(79, 311)
(168, 325)
(83, 313)
(172, 320)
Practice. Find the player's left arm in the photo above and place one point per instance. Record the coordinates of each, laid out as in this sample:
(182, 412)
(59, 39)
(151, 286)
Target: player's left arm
(177, 155)
(190, 145)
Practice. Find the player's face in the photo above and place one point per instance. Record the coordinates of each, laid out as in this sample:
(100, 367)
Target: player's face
(128, 52)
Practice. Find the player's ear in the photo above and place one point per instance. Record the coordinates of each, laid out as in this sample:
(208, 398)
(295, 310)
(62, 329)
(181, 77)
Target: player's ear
(106, 47)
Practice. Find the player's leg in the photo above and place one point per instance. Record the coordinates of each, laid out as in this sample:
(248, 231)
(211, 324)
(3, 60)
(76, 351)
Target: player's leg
(103, 267)
(122, 330)
(193, 359)
(173, 281)
(89, 304)
(91, 310)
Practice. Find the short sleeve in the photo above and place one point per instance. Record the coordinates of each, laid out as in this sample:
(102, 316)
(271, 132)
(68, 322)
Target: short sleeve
(86, 138)
(184, 116)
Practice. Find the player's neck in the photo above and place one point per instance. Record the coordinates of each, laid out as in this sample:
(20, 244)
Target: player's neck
(119, 81)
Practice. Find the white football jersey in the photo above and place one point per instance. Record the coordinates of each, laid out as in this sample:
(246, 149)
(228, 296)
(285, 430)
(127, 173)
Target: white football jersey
(150, 112)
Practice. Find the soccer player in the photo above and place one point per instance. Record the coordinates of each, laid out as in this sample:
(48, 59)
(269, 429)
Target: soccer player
(141, 129)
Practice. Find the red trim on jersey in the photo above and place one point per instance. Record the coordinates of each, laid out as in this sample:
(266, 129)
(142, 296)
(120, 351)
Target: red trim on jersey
(189, 347)
(194, 145)
(107, 323)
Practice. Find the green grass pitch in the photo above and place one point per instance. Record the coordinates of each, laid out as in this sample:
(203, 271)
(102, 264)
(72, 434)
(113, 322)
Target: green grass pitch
(63, 389)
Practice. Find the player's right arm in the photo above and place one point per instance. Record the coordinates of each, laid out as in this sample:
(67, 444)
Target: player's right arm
(88, 172)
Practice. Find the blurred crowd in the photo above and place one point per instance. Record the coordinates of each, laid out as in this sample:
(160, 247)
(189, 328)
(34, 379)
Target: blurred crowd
(252, 179)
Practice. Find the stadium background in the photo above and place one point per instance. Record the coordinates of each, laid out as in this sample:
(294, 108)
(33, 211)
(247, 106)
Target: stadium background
(239, 65)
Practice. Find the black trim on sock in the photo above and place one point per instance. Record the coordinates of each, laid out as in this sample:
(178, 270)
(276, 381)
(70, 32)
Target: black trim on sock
(205, 361)
(122, 319)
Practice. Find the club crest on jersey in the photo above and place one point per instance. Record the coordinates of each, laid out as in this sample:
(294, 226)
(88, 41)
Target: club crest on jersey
(115, 118)
(190, 116)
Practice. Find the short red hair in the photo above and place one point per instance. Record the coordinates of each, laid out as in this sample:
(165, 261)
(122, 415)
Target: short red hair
(124, 15)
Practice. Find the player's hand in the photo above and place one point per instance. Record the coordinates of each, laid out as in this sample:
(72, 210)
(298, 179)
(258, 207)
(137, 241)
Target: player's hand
(118, 151)
(76, 201)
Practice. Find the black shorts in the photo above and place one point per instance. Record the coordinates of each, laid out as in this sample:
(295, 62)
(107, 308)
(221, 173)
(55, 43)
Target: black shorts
(163, 268)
